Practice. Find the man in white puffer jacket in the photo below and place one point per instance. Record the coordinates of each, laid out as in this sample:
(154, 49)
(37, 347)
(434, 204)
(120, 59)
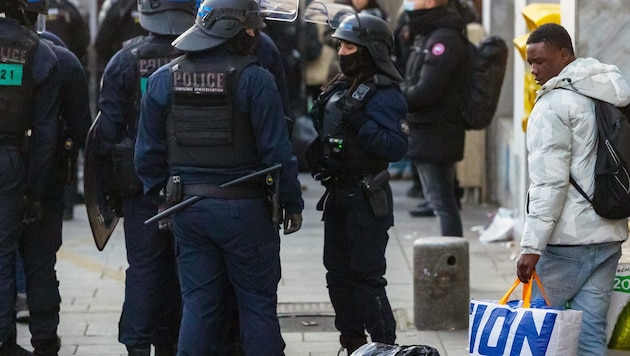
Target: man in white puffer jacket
(573, 250)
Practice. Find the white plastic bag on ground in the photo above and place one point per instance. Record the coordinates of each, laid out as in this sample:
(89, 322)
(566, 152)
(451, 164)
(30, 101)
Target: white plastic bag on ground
(501, 228)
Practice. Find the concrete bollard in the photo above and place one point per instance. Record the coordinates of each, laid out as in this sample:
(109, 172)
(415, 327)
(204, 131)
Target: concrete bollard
(441, 283)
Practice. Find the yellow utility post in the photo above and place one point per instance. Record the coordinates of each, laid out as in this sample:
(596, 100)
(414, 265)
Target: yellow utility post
(535, 15)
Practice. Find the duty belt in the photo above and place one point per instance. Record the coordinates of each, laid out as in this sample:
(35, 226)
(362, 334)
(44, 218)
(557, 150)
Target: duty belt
(341, 182)
(214, 191)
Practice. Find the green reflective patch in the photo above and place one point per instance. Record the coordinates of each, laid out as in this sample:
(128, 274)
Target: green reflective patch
(143, 85)
(11, 74)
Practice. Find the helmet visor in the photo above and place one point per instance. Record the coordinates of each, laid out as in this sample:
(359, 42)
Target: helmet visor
(327, 12)
(279, 10)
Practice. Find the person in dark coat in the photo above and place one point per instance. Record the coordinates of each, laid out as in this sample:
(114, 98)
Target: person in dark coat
(432, 88)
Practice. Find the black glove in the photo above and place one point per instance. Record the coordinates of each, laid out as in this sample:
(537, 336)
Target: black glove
(292, 222)
(33, 212)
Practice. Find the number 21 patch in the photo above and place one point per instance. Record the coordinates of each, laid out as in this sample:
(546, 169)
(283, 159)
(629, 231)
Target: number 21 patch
(11, 74)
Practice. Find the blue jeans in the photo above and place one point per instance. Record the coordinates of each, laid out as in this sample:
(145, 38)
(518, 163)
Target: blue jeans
(582, 276)
(11, 212)
(438, 185)
(151, 311)
(222, 243)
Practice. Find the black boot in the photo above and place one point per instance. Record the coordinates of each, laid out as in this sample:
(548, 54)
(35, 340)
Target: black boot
(351, 343)
(139, 350)
(49, 347)
(9, 348)
(165, 350)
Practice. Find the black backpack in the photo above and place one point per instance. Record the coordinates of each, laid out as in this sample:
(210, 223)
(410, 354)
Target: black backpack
(486, 63)
(611, 198)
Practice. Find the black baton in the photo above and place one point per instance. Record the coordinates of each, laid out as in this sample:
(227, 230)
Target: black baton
(192, 200)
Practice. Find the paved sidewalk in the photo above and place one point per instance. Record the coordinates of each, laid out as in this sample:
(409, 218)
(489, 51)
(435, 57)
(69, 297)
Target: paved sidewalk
(92, 282)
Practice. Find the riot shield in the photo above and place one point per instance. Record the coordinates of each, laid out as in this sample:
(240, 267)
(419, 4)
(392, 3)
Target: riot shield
(279, 10)
(102, 217)
(327, 12)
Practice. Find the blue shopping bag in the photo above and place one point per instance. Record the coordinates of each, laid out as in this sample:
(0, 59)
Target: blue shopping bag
(502, 328)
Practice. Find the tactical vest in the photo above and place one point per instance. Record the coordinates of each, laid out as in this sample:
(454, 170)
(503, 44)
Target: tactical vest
(341, 152)
(149, 56)
(17, 52)
(204, 129)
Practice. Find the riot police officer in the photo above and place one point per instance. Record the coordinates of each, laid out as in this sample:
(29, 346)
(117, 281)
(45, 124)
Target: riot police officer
(27, 102)
(42, 239)
(209, 117)
(359, 119)
(65, 20)
(146, 319)
(119, 20)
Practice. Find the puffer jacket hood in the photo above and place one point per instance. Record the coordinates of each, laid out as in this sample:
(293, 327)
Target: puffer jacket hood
(591, 78)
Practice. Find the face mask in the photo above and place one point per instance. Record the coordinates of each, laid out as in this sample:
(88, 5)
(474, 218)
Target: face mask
(409, 5)
(246, 44)
(350, 64)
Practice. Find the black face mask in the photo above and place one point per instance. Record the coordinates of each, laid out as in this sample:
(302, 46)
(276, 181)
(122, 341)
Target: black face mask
(246, 44)
(352, 65)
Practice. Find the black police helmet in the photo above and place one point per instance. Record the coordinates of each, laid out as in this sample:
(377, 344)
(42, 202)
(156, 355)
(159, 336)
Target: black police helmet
(373, 33)
(12, 5)
(38, 6)
(218, 21)
(167, 17)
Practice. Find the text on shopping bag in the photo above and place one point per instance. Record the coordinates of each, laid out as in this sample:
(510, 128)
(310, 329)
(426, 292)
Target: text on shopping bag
(501, 330)
(622, 283)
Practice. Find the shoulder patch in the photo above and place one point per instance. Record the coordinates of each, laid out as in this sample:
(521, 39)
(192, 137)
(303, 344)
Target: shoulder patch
(438, 49)
(361, 91)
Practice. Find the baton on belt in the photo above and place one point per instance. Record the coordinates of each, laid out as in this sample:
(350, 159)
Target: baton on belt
(192, 200)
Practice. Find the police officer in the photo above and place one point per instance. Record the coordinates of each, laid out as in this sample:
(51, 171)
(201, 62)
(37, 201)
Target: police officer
(65, 20)
(212, 116)
(118, 21)
(152, 308)
(25, 103)
(42, 239)
(359, 118)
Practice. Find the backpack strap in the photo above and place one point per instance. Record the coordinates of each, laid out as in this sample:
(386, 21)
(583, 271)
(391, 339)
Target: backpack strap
(571, 180)
(579, 189)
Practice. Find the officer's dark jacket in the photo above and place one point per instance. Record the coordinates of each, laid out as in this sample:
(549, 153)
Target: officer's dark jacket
(124, 80)
(370, 127)
(74, 111)
(435, 73)
(42, 111)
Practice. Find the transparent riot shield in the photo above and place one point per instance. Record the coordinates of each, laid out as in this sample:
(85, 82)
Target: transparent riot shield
(279, 10)
(327, 12)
